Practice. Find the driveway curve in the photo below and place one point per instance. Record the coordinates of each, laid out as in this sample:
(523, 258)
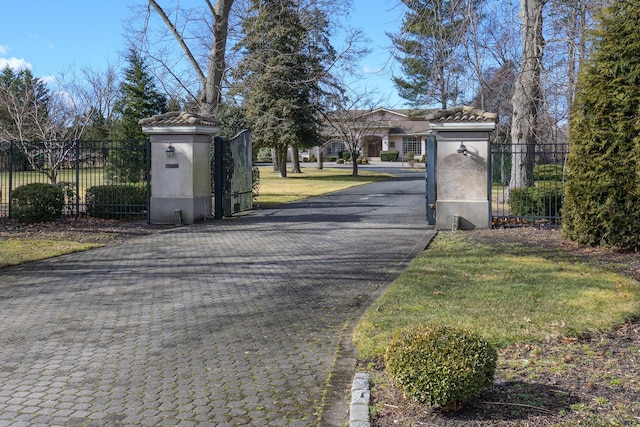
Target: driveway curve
(239, 322)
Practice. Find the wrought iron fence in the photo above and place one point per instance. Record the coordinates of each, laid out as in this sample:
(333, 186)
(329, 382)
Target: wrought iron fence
(101, 178)
(527, 184)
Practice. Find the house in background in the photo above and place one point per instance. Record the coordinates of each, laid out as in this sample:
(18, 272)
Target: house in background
(385, 129)
(378, 130)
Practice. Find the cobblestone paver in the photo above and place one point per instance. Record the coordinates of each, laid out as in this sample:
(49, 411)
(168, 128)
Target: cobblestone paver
(228, 323)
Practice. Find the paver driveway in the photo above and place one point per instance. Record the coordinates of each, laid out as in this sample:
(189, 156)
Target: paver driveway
(235, 322)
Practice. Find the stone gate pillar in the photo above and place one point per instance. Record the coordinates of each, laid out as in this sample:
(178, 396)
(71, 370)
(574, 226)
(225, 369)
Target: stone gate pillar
(180, 166)
(462, 167)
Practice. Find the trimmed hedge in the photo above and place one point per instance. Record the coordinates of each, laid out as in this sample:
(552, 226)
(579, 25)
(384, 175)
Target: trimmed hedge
(37, 202)
(389, 156)
(115, 201)
(441, 366)
(545, 200)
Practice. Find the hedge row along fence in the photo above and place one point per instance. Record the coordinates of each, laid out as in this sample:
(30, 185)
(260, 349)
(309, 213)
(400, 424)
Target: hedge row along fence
(108, 179)
(537, 202)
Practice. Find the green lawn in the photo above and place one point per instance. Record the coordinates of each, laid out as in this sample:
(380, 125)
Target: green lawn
(507, 295)
(311, 182)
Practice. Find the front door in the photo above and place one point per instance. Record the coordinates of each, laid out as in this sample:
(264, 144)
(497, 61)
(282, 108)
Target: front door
(374, 147)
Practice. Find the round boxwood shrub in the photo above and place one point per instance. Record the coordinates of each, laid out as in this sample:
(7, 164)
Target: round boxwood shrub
(37, 202)
(441, 366)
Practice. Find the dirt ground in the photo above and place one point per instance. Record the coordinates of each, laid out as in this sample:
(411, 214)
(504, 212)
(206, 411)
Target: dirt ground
(585, 381)
(592, 381)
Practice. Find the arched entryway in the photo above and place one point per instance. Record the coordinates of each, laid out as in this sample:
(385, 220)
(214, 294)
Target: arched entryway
(372, 146)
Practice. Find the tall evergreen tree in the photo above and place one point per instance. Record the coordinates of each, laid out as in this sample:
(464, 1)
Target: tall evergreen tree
(139, 99)
(280, 77)
(428, 48)
(602, 196)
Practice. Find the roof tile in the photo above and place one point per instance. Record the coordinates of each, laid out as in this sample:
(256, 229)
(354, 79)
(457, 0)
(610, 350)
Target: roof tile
(178, 118)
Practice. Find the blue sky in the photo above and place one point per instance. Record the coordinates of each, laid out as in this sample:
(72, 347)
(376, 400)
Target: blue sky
(54, 36)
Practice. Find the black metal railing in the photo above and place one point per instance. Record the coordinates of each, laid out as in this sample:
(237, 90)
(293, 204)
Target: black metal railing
(532, 194)
(100, 178)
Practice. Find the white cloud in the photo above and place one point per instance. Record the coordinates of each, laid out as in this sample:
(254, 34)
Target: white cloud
(14, 63)
(366, 69)
(3, 49)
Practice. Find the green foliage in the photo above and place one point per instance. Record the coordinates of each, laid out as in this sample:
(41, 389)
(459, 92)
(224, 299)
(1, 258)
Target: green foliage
(346, 155)
(116, 201)
(389, 156)
(410, 155)
(29, 99)
(340, 161)
(544, 199)
(264, 154)
(428, 51)
(548, 172)
(139, 99)
(441, 366)
(233, 120)
(602, 195)
(37, 202)
(279, 75)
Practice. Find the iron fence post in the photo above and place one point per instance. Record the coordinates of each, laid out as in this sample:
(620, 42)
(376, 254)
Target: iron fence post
(10, 173)
(77, 142)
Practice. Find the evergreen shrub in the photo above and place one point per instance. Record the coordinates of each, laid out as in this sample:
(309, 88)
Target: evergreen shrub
(440, 366)
(389, 156)
(115, 201)
(37, 202)
(541, 200)
(602, 193)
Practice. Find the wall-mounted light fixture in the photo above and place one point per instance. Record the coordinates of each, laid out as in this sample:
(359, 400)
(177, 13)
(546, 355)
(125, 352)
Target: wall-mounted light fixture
(170, 151)
(462, 149)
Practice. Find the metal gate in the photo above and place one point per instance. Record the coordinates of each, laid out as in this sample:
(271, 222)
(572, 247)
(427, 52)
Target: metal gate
(232, 175)
(536, 202)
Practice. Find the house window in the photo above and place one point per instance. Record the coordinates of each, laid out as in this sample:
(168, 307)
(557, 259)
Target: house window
(411, 143)
(392, 144)
(334, 149)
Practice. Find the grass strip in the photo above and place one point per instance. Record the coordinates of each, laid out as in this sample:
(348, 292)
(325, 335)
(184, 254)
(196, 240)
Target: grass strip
(17, 251)
(501, 293)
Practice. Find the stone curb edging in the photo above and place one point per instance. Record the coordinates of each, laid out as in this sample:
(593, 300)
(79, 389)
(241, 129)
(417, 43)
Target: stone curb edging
(360, 395)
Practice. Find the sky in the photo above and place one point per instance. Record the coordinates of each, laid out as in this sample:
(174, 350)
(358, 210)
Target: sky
(51, 37)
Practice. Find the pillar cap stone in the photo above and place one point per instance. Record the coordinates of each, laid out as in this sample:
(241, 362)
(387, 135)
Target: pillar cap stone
(180, 122)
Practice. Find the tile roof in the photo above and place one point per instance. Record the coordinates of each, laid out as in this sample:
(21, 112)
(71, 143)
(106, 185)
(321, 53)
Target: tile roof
(178, 118)
(462, 114)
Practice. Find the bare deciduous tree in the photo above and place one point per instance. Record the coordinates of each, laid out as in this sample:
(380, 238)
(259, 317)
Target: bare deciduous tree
(210, 31)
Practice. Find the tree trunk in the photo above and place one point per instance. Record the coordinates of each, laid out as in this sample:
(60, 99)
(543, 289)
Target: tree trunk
(281, 153)
(211, 83)
(527, 94)
(320, 158)
(295, 160)
(212, 90)
(354, 162)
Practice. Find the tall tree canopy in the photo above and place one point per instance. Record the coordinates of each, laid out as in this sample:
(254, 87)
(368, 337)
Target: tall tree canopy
(139, 99)
(280, 75)
(428, 47)
(24, 106)
(602, 196)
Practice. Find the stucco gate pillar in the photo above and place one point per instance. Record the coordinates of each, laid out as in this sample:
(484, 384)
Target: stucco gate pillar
(462, 167)
(180, 166)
